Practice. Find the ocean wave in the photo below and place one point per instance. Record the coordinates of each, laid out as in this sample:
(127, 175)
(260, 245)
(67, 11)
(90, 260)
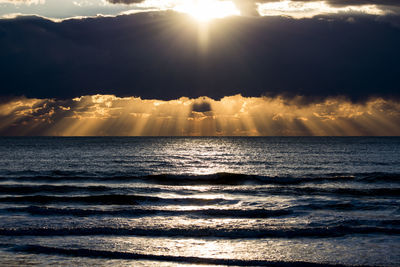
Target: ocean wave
(310, 232)
(53, 189)
(296, 191)
(92, 253)
(346, 206)
(47, 173)
(245, 212)
(116, 200)
(191, 179)
(121, 192)
(215, 213)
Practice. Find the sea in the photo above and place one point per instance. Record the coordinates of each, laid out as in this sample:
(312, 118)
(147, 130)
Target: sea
(195, 201)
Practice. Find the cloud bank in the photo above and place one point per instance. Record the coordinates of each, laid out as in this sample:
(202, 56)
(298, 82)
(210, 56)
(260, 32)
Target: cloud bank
(56, 9)
(166, 55)
(250, 7)
(108, 115)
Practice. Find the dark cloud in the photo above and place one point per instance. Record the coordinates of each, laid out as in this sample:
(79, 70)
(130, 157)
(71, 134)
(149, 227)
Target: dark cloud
(158, 55)
(201, 106)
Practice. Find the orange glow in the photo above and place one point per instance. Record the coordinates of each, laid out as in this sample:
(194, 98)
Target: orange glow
(105, 115)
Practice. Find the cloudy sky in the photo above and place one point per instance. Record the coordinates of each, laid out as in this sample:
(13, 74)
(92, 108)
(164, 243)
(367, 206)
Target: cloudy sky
(58, 9)
(199, 67)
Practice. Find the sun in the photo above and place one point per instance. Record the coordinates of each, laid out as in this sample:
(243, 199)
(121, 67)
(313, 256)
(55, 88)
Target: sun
(206, 10)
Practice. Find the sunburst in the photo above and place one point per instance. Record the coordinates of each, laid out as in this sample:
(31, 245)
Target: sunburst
(206, 10)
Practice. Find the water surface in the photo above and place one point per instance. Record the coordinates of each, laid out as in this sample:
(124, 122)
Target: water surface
(232, 201)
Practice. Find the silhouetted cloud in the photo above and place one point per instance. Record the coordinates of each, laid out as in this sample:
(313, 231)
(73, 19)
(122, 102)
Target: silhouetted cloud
(160, 55)
(201, 106)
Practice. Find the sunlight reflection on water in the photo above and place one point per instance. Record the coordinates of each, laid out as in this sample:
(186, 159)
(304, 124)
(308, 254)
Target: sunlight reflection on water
(328, 204)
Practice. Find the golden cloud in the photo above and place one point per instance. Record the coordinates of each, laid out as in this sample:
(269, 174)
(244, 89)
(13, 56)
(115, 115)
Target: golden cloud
(108, 115)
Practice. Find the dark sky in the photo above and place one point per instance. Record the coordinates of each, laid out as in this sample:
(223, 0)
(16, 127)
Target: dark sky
(160, 55)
